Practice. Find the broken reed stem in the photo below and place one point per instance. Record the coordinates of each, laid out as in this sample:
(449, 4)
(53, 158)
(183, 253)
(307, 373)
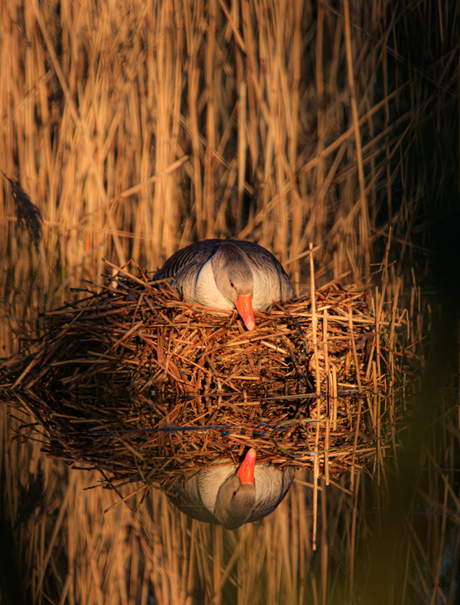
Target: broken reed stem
(334, 395)
(392, 334)
(328, 396)
(378, 317)
(355, 356)
(373, 352)
(314, 318)
(355, 445)
(376, 423)
(315, 497)
(318, 391)
(353, 534)
(364, 224)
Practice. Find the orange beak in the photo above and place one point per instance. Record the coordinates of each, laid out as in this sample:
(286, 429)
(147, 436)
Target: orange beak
(244, 306)
(246, 470)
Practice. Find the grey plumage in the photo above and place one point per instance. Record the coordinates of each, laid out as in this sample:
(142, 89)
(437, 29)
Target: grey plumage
(204, 497)
(217, 273)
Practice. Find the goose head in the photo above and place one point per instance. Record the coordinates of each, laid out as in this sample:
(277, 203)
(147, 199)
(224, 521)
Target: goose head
(234, 280)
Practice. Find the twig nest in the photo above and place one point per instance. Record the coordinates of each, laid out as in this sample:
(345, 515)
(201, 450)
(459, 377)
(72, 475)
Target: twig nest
(142, 385)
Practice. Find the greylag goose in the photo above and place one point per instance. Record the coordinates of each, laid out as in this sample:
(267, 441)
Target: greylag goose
(226, 496)
(225, 274)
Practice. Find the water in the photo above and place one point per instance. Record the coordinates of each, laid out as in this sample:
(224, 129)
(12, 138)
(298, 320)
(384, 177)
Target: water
(391, 537)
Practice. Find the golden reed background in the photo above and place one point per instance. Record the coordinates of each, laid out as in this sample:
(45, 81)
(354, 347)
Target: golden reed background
(137, 127)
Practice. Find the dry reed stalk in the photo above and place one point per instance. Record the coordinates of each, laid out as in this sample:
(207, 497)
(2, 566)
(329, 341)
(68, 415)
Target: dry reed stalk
(80, 149)
(328, 395)
(334, 395)
(318, 390)
(353, 538)
(315, 499)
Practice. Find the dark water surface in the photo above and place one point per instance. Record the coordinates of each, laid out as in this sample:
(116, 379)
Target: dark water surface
(395, 540)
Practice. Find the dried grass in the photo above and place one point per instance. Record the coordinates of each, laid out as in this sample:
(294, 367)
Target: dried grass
(136, 131)
(144, 386)
(144, 130)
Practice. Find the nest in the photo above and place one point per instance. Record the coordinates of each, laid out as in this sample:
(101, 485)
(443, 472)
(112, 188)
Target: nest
(143, 386)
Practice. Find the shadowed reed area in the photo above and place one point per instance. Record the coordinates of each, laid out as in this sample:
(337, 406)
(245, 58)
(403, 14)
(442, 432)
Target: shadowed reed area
(138, 129)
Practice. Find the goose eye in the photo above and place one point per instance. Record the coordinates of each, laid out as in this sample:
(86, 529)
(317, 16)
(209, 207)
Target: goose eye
(234, 493)
(232, 284)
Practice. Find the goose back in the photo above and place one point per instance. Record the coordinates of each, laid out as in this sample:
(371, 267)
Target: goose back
(192, 269)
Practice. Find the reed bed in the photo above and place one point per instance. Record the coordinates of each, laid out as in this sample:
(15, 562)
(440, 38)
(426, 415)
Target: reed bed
(144, 386)
(138, 131)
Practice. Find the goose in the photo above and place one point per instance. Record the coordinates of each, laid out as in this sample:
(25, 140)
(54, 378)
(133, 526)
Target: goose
(225, 274)
(231, 496)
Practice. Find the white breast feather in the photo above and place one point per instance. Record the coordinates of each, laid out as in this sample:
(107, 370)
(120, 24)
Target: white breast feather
(206, 291)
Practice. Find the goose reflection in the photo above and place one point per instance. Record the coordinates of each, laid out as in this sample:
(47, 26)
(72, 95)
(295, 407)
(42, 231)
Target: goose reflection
(231, 496)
